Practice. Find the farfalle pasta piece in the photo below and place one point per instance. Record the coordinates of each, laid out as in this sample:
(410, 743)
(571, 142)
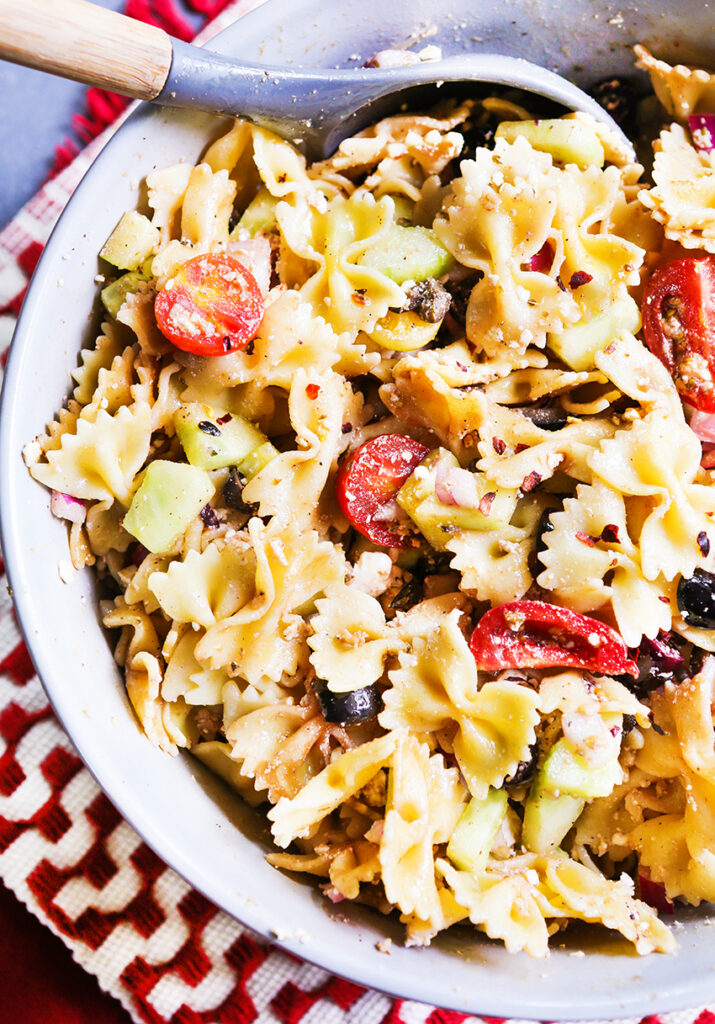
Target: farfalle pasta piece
(216, 756)
(100, 460)
(683, 197)
(495, 564)
(166, 188)
(681, 89)
(503, 906)
(341, 779)
(350, 639)
(207, 586)
(349, 296)
(187, 678)
(291, 484)
(508, 203)
(107, 346)
(206, 208)
(437, 685)
(676, 847)
(657, 460)
(426, 143)
(263, 639)
(424, 804)
(590, 560)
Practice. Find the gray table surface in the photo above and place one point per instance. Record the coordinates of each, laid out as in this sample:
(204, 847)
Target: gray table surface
(35, 117)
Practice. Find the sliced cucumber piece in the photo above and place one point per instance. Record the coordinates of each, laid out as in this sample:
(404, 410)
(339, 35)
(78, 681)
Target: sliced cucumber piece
(209, 444)
(259, 215)
(548, 818)
(257, 459)
(408, 254)
(567, 140)
(438, 521)
(577, 346)
(403, 331)
(171, 495)
(114, 295)
(420, 484)
(476, 830)
(565, 771)
(132, 242)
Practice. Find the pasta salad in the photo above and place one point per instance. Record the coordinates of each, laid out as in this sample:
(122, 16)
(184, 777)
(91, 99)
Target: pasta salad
(396, 473)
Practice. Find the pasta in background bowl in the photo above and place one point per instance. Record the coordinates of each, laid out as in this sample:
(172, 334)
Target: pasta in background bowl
(228, 865)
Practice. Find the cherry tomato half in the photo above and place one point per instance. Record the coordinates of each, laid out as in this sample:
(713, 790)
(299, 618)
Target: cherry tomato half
(211, 306)
(678, 312)
(368, 481)
(534, 634)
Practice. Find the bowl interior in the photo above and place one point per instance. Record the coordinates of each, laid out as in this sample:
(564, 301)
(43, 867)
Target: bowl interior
(187, 815)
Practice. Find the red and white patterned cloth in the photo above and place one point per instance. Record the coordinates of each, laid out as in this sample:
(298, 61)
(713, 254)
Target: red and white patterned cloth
(166, 953)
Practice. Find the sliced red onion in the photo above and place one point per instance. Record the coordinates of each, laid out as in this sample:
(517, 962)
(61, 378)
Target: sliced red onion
(702, 130)
(653, 893)
(542, 260)
(64, 506)
(703, 424)
(455, 486)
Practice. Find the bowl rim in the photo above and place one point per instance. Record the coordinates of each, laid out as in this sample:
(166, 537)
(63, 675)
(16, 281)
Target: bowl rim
(331, 958)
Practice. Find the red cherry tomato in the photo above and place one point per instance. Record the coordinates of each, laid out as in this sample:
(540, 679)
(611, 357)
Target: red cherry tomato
(211, 306)
(368, 481)
(678, 312)
(534, 634)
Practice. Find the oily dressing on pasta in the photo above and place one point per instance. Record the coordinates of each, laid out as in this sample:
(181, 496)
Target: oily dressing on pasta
(482, 300)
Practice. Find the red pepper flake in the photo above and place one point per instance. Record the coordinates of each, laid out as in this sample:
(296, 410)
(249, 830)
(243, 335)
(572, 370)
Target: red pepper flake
(223, 419)
(578, 278)
(346, 428)
(498, 445)
(663, 598)
(704, 543)
(312, 390)
(359, 297)
(610, 349)
(530, 482)
(585, 538)
(520, 448)
(609, 534)
(485, 505)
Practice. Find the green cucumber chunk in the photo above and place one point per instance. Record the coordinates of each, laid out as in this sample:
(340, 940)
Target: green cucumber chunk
(548, 818)
(209, 444)
(259, 215)
(407, 253)
(438, 521)
(257, 459)
(114, 295)
(419, 486)
(577, 346)
(568, 140)
(565, 771)
(132, 242)
(171, 495)
(476, 830)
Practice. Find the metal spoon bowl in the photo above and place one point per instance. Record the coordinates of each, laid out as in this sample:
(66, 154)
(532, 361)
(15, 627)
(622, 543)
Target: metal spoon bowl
(79, 40)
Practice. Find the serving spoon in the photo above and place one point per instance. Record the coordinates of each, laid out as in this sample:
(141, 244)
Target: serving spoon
(315, 108)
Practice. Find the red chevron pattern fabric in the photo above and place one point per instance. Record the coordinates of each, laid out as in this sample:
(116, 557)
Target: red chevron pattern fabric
(166, 953)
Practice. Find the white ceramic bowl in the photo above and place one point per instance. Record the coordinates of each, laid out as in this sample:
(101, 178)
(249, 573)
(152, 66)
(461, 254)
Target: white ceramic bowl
(187, 815)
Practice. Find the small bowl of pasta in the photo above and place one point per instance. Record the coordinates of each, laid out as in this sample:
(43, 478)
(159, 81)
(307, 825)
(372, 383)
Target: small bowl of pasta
(360, 514)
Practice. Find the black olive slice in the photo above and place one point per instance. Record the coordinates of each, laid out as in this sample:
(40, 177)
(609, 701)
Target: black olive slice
(548, 416)
(233, 492)
(525, 770)
(348, 708)
(696, 599)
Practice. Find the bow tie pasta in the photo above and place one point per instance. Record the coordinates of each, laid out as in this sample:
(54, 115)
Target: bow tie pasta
(396, 469)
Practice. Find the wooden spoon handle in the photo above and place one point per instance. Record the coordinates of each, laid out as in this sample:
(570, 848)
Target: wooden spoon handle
(81, 41)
